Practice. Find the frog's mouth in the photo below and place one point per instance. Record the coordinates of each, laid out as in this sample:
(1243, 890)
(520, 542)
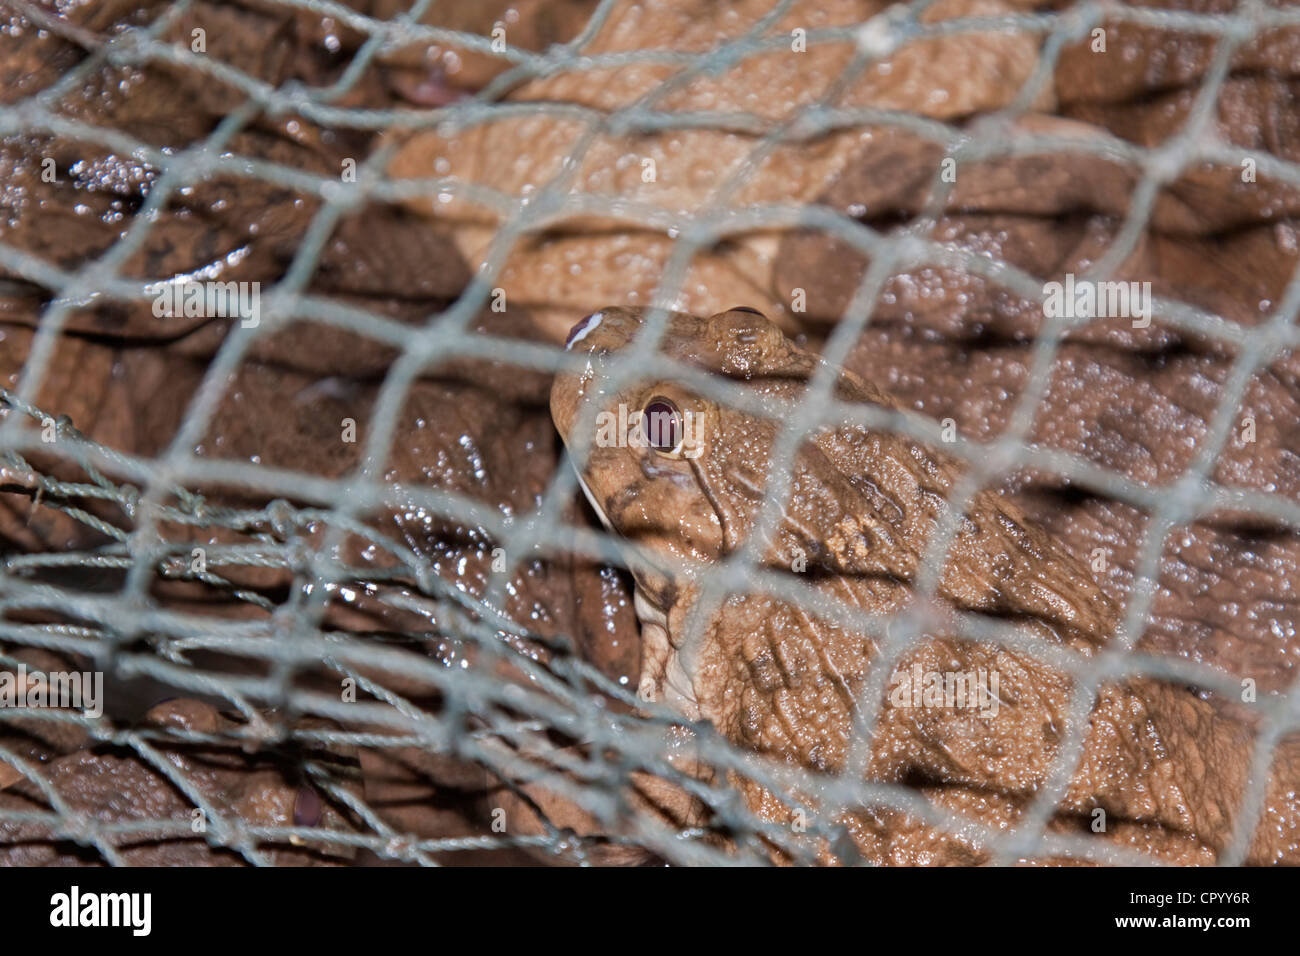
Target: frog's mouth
(653, 582)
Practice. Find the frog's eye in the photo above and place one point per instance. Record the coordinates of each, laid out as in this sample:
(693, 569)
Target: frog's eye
(661, 423)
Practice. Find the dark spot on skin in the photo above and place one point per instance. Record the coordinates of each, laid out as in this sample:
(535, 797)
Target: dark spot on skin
(307, 807)
(663, 596)
(1050, 733)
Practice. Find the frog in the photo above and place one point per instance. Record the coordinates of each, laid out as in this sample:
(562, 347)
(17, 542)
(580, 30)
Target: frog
(787, 678)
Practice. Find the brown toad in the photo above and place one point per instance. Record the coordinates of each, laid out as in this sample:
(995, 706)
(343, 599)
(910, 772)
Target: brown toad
(684, 491)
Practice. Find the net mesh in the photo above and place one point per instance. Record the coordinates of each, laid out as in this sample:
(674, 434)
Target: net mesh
(518, 687)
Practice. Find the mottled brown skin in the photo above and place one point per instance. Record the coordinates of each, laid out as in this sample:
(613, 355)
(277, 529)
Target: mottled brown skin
(777, 679)
(248, 786)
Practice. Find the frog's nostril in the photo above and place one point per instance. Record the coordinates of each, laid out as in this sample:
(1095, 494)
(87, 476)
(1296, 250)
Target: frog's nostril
(745, 308)
(584, 328)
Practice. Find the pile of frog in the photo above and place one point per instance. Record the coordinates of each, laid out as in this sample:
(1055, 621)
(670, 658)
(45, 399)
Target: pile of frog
(791, 597)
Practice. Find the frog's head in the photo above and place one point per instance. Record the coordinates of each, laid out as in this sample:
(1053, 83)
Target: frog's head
(671, 473)
(668, 470)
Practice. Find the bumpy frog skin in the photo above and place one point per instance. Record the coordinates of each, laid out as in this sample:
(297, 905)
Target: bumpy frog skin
(777, 679)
